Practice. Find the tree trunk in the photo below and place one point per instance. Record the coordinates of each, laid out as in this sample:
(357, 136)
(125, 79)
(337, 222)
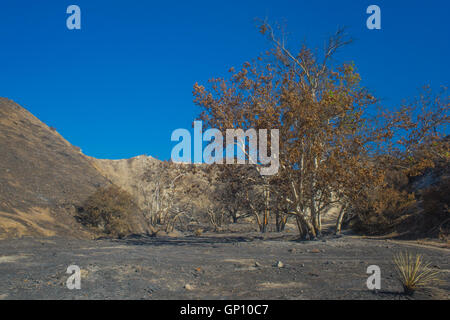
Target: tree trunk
(280, 222)
(299, 226)
(340, 219)
(305, 227)
(266, 209)
(315, 216)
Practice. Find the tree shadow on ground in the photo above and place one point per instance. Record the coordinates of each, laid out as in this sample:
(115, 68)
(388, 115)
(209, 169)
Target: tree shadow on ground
(145, 240)
(396, 295)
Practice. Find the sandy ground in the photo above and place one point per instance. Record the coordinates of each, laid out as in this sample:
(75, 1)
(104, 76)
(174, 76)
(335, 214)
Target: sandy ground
(227, 266)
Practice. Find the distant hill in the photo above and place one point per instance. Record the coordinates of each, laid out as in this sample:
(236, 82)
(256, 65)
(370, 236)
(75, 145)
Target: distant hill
(142, 175)
(43, 178)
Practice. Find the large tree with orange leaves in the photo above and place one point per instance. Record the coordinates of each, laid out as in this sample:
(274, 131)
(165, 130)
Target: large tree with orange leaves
(326, 140)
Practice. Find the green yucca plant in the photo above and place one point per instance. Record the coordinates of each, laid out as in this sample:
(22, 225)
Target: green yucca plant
(414, 273)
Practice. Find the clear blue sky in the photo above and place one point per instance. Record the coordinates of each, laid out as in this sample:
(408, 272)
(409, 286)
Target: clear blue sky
(118, 87)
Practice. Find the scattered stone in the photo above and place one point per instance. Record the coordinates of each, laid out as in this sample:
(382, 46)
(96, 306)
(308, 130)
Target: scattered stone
(150, 289)
(159, 233)
(279, 264)
(199, 269)
(292, 250)
(315, 250)
(302, 265)
(257, 264)
(188, 287)
(174, 234)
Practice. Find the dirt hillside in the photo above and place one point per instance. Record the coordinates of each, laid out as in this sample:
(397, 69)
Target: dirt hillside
(43, 178)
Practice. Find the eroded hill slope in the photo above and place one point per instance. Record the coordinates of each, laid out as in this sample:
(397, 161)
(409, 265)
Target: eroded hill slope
(43, 178)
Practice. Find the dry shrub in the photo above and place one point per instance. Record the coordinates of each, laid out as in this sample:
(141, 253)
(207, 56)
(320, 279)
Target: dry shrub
(395, 209)
(396, 179)
(108, 211)
(198, 232)
(216, 218)
(436, 210)
(413, 273)
(381, 210)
